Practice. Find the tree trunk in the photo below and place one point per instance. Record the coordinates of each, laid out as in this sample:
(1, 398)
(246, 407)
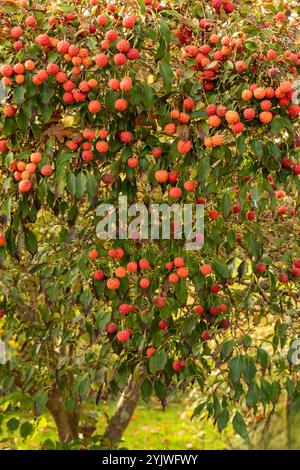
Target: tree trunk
(123, 414)
(66, 423)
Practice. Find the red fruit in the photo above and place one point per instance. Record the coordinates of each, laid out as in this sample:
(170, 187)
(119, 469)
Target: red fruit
(126, 84)
(102, 146)
(123, 336)
(98, 274)
(211, 109)
(46, 170)
(129, 21)
(189, 104)
(144, 264)
(205, 335)
(184, 146)
(214, 214)
(189, 186)
(236, 208)
(297, 263)
(160, 301)
(121, 104)
(238, 127)
(266, 105)
(249, 113)
(223, 308)
(173, 177)
(240, 66)
(182, 273)
(265, 117)
(150, 352)
(283, 277)
(215, 288)
(1, 314)
(205, 269)
(296, 169)
(133, 54)
(2, 240)
(120, 59)
(114, 84)
(173, 278)
(25, 186)
(169, 265)
(156, 152)
(170, 129)
(178, 365)
(101, 20)
(93, 254)
(250, 215)
(162, 324)
(161, 176)
(132, 162)
(296, 272)
(124, 309)
(94, 106)
(232, 117)
(126, 137)
(43, 40)
(3, 146)
(111, 327)
(9, 110)
(132, 267)
(199, 309)
(144, 283)
(16, 32)
(214, 311)
(228, 7)
(179, 262)
(113, 283)
(225, 324)
(261, 267)
(221, 111)
(175, 193)
(294, 110)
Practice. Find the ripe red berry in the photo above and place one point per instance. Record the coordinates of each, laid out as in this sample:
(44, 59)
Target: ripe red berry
(123, 336)
(162, 324)
(111, 327)
(150, 352)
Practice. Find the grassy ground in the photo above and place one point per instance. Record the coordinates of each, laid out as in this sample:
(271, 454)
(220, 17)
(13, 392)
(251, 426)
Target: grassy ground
(151, 428)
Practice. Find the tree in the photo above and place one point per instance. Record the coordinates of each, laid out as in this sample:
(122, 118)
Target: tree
(183, 103)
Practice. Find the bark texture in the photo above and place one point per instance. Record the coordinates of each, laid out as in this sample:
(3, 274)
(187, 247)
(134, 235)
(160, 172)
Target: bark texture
(67, 423)
(123, 414)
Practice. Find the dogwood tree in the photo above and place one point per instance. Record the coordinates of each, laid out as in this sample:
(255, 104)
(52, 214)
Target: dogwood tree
(188, 102)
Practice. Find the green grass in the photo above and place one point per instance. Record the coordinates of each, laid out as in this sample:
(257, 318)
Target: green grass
(153, 428)
(150, 428)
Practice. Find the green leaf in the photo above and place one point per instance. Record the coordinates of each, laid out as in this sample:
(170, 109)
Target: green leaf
(26, 429)
(223, 419)
(146, 389)
(181, 291)
(19, 94)
(31, 242)
(226, 205)
(13, 424)
(167, 74)
(239, 425)
(80, 185)
(236, 368)
(148, 95)
(40, 400)
(157, 362)
(91, 185)
(221, 268)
